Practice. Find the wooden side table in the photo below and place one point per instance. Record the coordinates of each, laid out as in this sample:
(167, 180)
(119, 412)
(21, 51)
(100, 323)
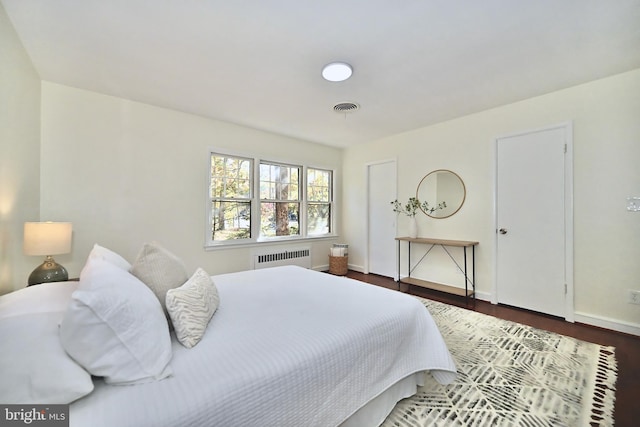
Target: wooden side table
(467, 291)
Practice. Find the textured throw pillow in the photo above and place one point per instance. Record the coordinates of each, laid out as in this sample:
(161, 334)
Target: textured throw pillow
(110, 256)
(159, 269)
(35, 368)
(191, 306)
(115, 328)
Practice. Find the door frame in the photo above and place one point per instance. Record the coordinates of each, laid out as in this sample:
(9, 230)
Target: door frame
(569, 312)
(367, 168)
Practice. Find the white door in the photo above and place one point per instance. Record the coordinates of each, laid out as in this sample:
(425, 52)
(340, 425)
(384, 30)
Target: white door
(532, 209)
(381, 232)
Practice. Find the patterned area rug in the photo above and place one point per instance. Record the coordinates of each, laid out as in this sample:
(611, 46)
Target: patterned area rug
(512, 375)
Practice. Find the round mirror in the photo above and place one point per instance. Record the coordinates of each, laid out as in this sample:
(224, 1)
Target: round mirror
(441, 193)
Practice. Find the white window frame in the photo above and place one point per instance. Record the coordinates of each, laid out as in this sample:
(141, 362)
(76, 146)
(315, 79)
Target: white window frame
(210, 198)
(256, 239)
(299, 199)
(331, 202)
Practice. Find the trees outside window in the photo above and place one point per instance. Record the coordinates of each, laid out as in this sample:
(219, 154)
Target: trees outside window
(231, 197)
(279, 200)
(319, 200)
(291, 201)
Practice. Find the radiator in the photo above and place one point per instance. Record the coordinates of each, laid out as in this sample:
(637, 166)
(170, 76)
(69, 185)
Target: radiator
(294, 256)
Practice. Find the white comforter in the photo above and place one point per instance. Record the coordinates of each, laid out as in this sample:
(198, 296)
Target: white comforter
(287, 347)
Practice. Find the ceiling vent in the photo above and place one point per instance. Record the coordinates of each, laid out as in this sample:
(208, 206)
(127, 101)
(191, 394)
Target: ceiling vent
(346, 107)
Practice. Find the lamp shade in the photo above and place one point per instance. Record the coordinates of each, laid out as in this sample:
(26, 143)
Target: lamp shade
(47, 238)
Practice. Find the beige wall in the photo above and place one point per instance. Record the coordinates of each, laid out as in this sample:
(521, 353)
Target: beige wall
(126, 173)
(19, 155)
(606, 125)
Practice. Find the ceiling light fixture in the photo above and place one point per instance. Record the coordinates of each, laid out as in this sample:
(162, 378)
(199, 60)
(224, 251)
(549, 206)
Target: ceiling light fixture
(337, 71)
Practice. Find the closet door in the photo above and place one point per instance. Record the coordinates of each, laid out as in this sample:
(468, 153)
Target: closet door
(381, 228)
(533, 205)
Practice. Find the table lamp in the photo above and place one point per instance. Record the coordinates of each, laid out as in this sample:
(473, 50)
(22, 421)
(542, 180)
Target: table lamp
(47, 238)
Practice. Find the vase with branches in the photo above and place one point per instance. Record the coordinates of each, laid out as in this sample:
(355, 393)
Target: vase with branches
(410, 209)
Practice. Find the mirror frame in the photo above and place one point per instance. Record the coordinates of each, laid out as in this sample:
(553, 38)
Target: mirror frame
(464, 193)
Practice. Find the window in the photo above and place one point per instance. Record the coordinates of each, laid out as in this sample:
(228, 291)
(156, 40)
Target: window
(318, 201)
(279, 200)
(231, 198)
(289, 201)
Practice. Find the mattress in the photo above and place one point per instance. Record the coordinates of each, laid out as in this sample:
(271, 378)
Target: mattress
(287, 347)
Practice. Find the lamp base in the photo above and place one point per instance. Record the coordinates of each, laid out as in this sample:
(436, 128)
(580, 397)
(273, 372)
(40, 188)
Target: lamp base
(48, 271)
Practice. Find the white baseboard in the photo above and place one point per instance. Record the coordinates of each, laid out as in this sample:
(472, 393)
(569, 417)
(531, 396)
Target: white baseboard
(357, 268)
(483, 296)
(607, 323)
(580, 317)
(592, 320)
(325, 267)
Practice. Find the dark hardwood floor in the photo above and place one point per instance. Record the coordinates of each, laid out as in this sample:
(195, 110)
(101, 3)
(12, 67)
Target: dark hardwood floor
(627, 405)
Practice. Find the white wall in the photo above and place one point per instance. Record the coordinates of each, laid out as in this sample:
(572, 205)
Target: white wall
(19, 155)
(126, 173)
(606, 120)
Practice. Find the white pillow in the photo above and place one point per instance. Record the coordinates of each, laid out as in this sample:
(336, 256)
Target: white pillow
(115, 328)
(50, 297)
(191, 306)
(35, 368)
(159, 269)
(108, 255)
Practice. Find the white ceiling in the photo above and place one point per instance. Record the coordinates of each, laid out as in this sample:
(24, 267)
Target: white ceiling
(258, 63)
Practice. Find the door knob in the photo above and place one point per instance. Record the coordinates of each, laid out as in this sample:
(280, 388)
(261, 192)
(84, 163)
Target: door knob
(503, 231)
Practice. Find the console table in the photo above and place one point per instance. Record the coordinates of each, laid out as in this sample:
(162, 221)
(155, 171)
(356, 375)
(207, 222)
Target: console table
(468, 280)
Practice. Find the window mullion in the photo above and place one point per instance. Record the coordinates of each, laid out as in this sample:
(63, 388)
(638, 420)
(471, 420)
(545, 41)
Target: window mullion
(302, 221)
(255, 199)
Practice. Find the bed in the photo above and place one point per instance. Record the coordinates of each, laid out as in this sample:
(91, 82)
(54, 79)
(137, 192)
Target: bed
(287, 346)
